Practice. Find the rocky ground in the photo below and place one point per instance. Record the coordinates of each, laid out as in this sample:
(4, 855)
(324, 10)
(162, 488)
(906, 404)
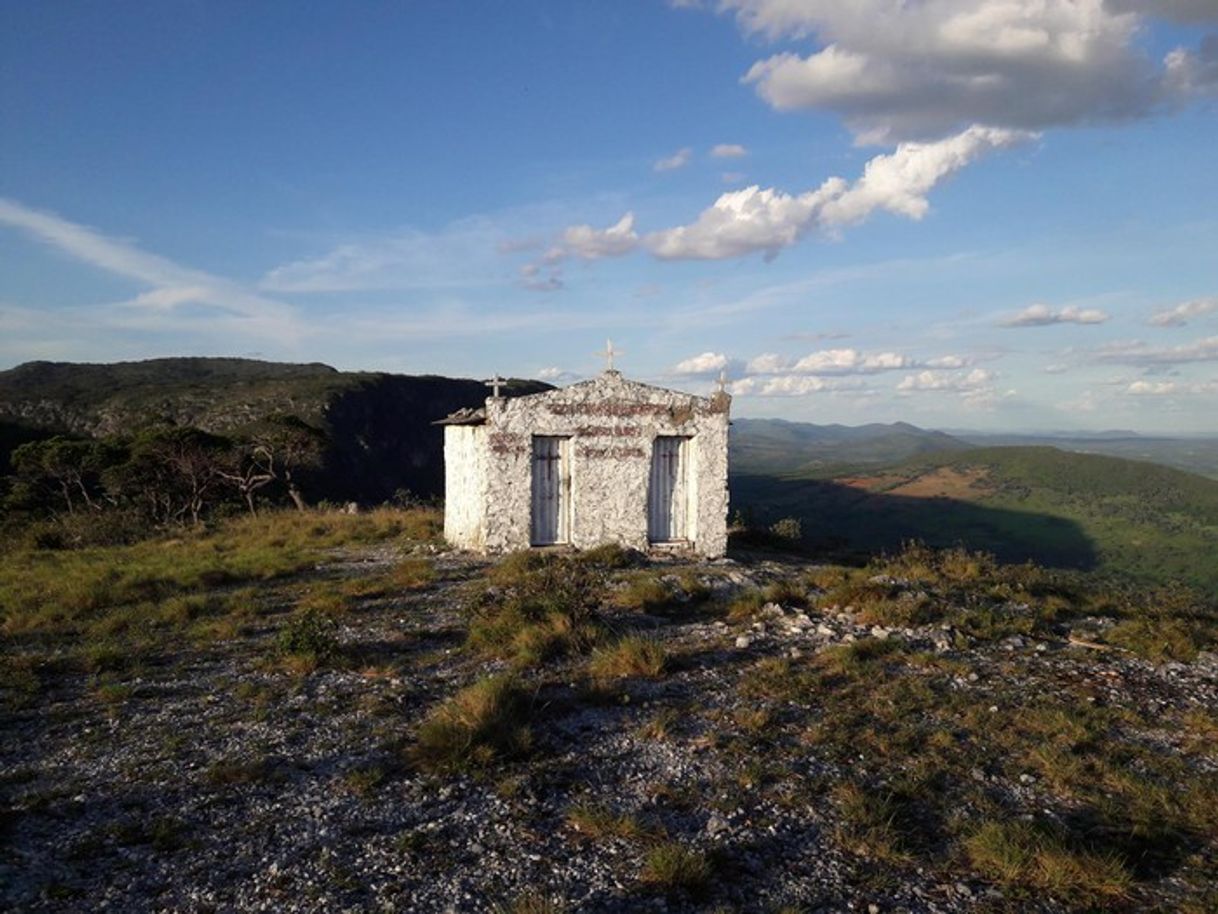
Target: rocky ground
(772, 764)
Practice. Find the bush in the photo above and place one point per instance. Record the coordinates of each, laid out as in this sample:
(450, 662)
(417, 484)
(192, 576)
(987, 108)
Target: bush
(310, 636)
(788, 528)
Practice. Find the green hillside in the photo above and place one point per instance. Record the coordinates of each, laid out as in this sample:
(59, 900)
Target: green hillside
(1122, 517)
(1196, 455)
(377, 425)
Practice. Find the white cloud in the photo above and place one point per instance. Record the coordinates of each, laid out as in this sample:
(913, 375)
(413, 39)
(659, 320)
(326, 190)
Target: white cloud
(678, 159)
(590, 243)
(965, 382)
(1182, 313)
(1194, 72)
(1139, 353)
(897, 70)
(174, 287)
(769, 363)
(728, 151)
(847, 362)
(1152, 388)
(584, 242)
(1171, 389)
(899, 181)
(708, 363)
(850, 361)
(949, 361)
(975, 388)
(744, 221)
(789, 386)
(1042, 315)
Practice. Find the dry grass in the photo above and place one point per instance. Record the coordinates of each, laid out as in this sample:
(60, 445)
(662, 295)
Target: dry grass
(531, 902)
(1021, 853)
(69, 592)
(538, 607)
(632, 655)
(643, 591)
(874, 823)
(597, 821)
(481, 724)
(673, 868)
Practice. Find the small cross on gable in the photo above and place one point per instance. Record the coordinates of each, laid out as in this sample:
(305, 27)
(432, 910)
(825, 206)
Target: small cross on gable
(495, 383)
(608, 354)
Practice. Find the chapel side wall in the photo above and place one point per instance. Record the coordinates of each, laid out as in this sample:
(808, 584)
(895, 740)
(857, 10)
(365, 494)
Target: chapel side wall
(612, 424)
(709, 472)
(465, 474)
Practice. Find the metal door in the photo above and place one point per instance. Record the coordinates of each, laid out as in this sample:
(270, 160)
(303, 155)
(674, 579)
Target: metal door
(551, 491)
(666, 494)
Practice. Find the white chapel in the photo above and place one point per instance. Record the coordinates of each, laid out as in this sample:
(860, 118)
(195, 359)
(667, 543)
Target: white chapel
(604, 460)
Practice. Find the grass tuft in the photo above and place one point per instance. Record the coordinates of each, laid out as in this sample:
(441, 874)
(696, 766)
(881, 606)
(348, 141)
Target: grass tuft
(479, 725)
(1022, 853)
(672, 868)
(596, 821)
(632, 655)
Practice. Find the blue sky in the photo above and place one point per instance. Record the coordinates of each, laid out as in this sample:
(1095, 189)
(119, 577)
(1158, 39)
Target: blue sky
(985, 213)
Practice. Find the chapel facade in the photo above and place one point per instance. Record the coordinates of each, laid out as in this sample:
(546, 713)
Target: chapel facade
(604, 460)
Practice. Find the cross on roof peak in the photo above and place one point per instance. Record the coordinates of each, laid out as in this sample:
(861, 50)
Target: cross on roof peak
(495, 383)
(608, 354)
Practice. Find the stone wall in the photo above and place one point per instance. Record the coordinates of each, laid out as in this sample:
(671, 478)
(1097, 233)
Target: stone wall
(465, 486)
(612, 423)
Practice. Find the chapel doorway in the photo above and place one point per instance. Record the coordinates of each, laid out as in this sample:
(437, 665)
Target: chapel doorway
(668, 491)
(551, 502)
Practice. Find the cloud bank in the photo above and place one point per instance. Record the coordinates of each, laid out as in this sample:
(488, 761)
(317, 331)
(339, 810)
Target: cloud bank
(766, 220)
(896, 71)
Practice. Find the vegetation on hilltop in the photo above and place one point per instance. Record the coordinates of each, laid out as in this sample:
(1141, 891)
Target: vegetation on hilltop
(376, 428)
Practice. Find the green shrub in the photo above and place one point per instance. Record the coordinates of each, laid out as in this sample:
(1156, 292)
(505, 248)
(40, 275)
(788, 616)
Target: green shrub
(309, 635)
(788, 528)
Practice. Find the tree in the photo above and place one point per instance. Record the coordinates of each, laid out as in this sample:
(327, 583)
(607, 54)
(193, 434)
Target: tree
(171, 472)
(67, 467)
(249, 467)
(292, 448)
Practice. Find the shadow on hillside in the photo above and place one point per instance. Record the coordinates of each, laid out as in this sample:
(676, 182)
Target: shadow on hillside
(848, 523)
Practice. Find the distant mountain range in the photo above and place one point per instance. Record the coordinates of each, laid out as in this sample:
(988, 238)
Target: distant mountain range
(775, 446)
